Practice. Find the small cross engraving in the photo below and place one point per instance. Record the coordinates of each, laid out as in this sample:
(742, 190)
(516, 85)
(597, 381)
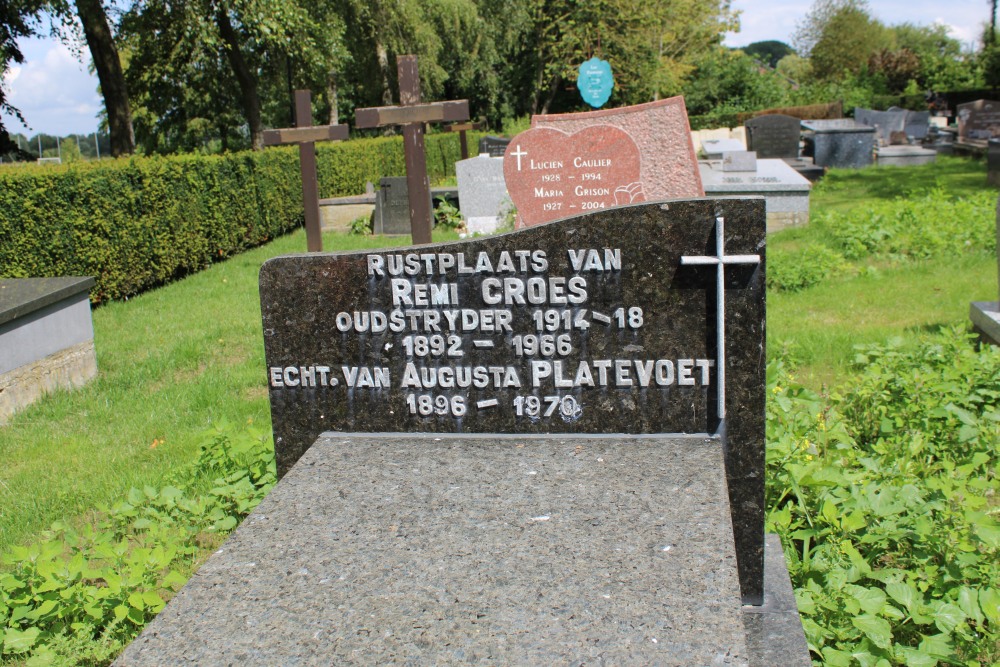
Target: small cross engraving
(519, 154)
(720, 259)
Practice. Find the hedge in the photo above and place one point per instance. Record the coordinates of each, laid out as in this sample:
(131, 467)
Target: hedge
(140, 222)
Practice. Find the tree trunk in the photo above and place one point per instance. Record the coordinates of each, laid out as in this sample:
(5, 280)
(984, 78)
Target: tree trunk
(109, 73)
(244, 77)
(383, 67)
(331, 93)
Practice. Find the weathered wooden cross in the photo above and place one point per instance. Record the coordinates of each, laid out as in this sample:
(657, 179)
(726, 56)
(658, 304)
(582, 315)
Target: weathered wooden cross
(462, 128)
(305, 135)
(412, 115)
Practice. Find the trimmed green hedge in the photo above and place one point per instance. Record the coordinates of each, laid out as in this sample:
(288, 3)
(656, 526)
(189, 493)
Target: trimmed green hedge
(140, 222)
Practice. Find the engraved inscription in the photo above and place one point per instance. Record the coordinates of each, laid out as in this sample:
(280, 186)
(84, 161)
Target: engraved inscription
(512, 332)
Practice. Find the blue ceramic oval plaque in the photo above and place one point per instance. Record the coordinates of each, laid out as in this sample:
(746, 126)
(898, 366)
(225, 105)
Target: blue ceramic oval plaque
(595, 82)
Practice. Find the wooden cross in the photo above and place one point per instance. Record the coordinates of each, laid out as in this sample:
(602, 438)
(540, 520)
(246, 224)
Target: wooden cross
(305, 134)
(412, 115)
(462, 128)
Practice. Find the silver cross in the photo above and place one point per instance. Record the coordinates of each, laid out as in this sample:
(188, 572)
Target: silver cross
(720, 260)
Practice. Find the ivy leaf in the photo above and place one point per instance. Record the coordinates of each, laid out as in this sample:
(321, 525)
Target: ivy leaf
(938, 646)
(876, 629)
(832, 656)
(968, 602)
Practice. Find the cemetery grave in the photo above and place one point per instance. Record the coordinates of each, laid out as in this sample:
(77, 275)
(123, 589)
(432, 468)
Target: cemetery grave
(740, 173)
(46, 339)
(985, 315)
(489, 412)
(840, 143)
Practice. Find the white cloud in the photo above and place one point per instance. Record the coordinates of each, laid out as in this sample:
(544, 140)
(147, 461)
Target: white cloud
(54, 91)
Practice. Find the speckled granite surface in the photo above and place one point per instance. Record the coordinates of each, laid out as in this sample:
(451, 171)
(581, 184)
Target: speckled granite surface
(436, 549)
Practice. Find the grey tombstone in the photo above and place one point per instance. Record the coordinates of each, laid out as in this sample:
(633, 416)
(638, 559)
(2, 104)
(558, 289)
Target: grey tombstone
(985, 315)
(887, 124)
(493, 146)
(785, 191)
(774, 136)
(979, 120)
(535, 448)
(392, 207)
(714, 148)
(482, 193)
(918, 124)
(904, 156)
(739, 161)
(841, 143)
(46, 339)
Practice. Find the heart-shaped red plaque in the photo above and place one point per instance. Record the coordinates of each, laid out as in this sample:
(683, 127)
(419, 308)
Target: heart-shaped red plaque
(552, 175)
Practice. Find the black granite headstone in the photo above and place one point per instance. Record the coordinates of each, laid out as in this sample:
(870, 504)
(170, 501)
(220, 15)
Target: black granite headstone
(773, 136)
(493, 146)
(392, 207)
(607, 323)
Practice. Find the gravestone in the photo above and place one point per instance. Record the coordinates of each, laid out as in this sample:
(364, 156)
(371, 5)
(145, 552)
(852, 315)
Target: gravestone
(785, 191)
(979, 120)
(774, 136)
(493, 146)
(993, 162)
(841, 143)
(714, 148)
(392, 207)
(482, 193)
(887, 124)
(738, 161)
(535, 448)
(552, 174)
(904, 156)
(918, 124)
(46, 339)
(668, 166)
(985, 315)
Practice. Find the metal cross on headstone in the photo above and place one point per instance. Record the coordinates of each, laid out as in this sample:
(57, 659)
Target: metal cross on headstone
(720, 259)
(412, 115)
(305, 134)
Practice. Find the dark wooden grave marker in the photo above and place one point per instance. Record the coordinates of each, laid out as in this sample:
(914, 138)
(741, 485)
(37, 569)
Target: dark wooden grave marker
(305, 135)
(463, 140)
(412, 115)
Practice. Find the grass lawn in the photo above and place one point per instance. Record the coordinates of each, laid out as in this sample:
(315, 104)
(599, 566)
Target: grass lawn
(181, 358)
(171, 363)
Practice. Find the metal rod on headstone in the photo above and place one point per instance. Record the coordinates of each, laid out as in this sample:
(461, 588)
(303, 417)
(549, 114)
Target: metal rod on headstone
(305, 134)
(412, 115)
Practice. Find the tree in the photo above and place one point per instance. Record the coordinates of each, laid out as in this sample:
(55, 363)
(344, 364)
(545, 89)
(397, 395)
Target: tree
(104, 54)
(838, 36)
(769, 52)
(18, 18)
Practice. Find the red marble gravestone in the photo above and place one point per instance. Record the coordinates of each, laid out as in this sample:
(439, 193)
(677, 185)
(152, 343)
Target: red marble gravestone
(667, 161)
(552, 174)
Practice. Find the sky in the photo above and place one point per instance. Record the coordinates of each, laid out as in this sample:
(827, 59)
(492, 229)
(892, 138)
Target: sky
(57, 95)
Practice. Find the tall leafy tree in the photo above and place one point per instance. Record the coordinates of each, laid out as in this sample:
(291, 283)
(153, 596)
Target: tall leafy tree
(17, 19)
(838, 36)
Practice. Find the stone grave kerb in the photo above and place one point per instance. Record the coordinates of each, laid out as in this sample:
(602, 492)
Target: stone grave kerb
(315, 356)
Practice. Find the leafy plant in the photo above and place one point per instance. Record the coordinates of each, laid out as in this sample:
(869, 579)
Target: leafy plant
(447, 214)
(81, 593)
(886, 498)
(362, 225)
(795, 270)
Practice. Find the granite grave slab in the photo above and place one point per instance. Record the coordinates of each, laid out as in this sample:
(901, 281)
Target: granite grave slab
(482, 193)
(412, 549)
(904, 156)
(887, 124)
(785, 191)
(585, 326)
(551, 174)
(46, 339)
(739, 161)
(841, 143)
(617, 520)
(714, 148)
(668, 164)
(774, 136)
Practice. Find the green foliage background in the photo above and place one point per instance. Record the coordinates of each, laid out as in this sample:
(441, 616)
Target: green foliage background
(141, 222)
